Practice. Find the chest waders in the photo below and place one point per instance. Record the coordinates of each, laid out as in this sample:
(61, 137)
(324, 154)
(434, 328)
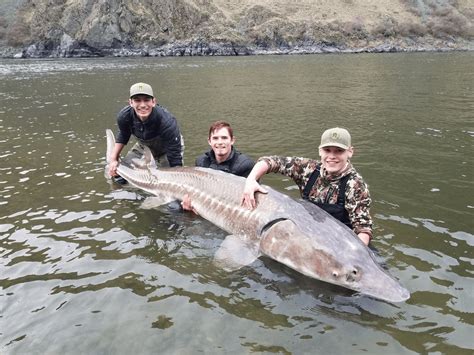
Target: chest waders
(337, 210)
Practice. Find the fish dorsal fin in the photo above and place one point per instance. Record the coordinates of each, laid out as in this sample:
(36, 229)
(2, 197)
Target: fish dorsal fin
(149, 158)
(145, 161)
(236, 252)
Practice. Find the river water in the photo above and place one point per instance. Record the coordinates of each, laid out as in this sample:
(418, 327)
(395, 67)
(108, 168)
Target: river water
(85, 270)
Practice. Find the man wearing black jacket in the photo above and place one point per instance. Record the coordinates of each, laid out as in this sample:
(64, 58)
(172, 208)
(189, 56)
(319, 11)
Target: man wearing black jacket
(222, 156)
(152, 125)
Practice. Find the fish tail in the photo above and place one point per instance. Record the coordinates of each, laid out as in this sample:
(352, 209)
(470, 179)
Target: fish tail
(110, 144)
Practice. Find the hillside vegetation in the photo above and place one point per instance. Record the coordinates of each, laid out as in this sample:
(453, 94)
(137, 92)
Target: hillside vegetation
(206, 27)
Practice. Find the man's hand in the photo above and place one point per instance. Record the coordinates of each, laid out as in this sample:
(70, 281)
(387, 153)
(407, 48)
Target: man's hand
(187, 205)
(113, 167)
(248, 197)
(365, 237)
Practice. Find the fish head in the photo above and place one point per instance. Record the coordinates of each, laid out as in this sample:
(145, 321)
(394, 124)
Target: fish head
(341, 259)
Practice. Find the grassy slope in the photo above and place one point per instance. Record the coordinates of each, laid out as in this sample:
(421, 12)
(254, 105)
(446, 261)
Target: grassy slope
(355, 23)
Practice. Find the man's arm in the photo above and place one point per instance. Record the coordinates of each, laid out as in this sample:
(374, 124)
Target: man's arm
(252, 185)
(358, 203)
(186, 204)
(172, 138)
(114, 158)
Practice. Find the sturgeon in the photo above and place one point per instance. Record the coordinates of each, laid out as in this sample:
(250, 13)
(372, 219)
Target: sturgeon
(295, 233)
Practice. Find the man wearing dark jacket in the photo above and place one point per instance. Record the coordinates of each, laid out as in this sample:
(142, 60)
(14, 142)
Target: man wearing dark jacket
(152, 125)
(222, 155)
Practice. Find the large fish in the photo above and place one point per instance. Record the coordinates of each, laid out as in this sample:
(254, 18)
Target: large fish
(297, 234)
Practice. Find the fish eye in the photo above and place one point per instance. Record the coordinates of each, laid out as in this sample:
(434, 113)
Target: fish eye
(335, 274)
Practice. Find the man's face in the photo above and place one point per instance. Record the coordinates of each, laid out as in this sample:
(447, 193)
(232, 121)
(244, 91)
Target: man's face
(142, 104)
(221, 143)
(334, 159)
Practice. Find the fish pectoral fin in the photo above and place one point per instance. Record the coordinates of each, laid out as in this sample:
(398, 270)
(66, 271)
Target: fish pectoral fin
(155, 201)
(236, 252)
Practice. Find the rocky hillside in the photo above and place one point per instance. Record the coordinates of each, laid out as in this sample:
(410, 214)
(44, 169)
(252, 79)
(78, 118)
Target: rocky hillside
(67, 28)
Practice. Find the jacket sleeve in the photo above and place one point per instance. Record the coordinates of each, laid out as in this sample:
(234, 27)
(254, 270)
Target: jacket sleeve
(172, 139)
(124, 127)
(297, 168)
(358, 203)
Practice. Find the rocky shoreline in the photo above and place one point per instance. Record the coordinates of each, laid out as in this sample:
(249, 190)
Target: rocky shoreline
(69, 49)
(139, 28)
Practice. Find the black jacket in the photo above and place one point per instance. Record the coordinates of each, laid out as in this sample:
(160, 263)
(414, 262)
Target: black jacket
(237, 163)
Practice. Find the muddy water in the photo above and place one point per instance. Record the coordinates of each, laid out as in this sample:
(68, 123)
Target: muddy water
(84, 269)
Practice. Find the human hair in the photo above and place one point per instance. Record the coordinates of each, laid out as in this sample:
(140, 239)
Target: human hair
(218, 125)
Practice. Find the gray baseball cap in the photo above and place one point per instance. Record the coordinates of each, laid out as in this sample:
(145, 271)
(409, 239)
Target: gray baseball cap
(336, 137)
(141, 89)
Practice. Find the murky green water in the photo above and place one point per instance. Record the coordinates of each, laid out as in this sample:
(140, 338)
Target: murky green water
(83, 269)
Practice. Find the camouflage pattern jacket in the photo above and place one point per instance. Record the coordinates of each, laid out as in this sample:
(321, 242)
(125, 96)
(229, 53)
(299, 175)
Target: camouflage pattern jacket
(326, 187)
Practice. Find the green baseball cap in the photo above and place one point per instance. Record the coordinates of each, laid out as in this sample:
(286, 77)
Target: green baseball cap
(336, 137)
(141, 89)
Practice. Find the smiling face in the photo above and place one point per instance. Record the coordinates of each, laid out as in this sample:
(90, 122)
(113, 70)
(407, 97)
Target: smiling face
(143, 105)
(221, 142)
(334, 159)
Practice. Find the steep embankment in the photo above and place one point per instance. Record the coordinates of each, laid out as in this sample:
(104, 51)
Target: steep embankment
(36, 28)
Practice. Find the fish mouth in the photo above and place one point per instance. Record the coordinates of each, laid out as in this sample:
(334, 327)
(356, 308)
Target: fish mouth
(392, 292)
(398, 297)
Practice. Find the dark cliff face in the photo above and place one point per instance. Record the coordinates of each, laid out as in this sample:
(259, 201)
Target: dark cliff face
(106, 23)
(180, 27)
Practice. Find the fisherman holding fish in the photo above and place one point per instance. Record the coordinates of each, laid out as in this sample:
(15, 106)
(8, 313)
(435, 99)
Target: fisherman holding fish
(222, 155)
(332, 183)
(152, 125)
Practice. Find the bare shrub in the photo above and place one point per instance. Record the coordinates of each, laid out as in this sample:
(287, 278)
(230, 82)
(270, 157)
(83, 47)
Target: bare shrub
(355, 28)
(412, 29)
(3, 22)
(442, 11)
(18, 34)
(3, 27)
(469, 13)
(335, 26)
(412, 7)
(387, 28)
(452, 24)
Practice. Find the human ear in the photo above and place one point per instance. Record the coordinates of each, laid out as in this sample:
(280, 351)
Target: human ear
(350, 151)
